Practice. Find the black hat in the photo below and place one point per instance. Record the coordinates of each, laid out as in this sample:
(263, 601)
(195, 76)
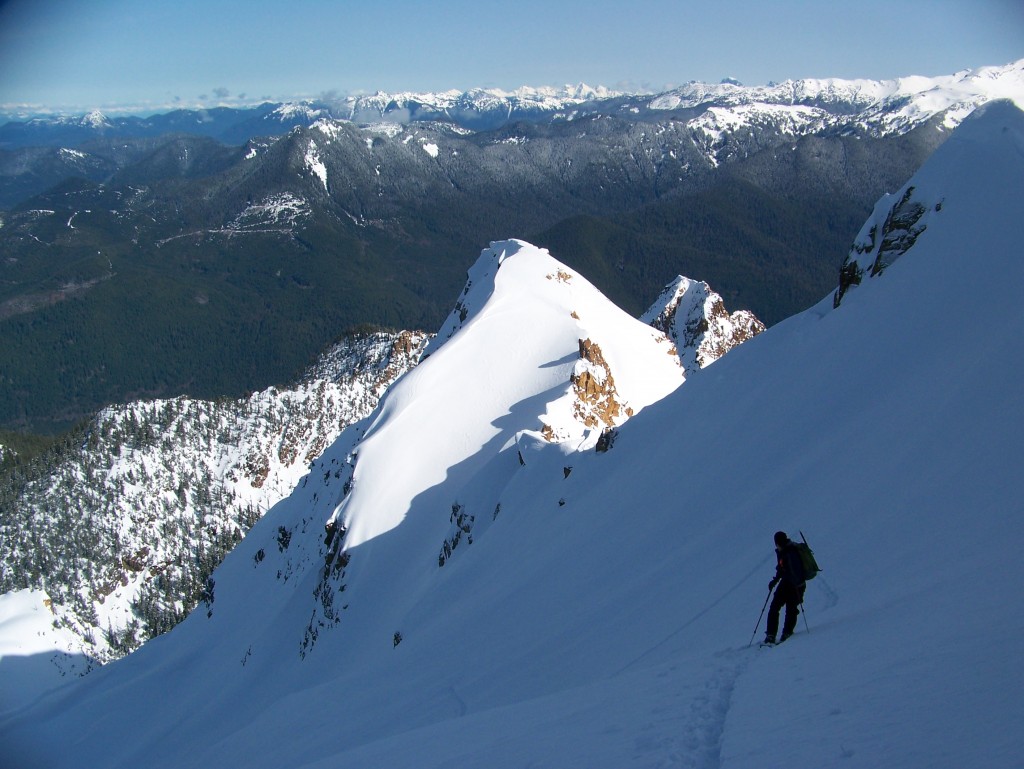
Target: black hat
(781, 538)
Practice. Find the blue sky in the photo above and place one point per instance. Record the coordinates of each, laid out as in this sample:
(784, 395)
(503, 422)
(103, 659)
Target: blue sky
(73, 55)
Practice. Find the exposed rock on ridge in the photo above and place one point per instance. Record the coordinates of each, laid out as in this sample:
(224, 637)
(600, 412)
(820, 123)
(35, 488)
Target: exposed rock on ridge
(695, 318)
(597, 401)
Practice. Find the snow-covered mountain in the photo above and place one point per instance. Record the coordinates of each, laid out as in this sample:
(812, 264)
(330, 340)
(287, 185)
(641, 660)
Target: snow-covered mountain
(163, 489)
(726, 118)
(877, 105)
(456, 590)
(120, 529)
(613, 182)
(476, 109)
(729, 112)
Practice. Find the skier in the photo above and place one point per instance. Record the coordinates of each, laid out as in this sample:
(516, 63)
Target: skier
(789, 576)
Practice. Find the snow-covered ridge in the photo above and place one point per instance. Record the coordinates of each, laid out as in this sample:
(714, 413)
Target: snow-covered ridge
(297, 111)
(525, 319)
(726, 120)
(791, 92)
(882, 106)
(532, 360)
(929, 94)
(172, 482)
(900, 219)
(462, 104)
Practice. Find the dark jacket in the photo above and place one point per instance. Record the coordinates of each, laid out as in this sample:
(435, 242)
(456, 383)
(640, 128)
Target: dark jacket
(789, 569)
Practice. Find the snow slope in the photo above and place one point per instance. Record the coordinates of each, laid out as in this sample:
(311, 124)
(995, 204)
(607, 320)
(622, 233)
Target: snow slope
(34, 655)
(602, 617)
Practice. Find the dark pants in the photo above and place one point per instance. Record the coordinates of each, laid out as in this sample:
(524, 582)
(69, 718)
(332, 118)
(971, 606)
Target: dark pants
(791, 597)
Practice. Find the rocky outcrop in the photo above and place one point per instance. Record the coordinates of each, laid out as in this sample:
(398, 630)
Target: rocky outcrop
(695, 318)
(891, 231)
(597, 401)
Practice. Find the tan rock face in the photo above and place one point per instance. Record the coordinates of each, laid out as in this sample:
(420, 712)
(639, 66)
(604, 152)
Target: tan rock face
(597, 401)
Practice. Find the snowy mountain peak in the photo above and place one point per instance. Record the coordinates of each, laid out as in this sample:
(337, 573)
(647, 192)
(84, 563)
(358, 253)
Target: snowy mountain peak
(531, 352)
(95, 120)
(695, 319)
(290, 112)
(479, 287)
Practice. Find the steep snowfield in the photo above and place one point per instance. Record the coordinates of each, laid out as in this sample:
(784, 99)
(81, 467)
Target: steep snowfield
(602, 618)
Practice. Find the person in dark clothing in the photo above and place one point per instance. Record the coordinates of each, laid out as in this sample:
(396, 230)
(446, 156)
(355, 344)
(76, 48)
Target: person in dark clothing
(789, 576)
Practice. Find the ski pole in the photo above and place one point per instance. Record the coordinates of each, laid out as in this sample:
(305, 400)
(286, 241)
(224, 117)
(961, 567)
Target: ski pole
(759, 617)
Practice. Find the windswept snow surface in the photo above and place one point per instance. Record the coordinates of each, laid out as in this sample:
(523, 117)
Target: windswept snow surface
(602, 617)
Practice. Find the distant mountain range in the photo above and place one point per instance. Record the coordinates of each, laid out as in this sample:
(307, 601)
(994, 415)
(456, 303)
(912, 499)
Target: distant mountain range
(878, 107)
(216, 253)
(479, 109)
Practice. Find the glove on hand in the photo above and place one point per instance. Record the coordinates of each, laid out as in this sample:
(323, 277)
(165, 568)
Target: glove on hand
(773, 583)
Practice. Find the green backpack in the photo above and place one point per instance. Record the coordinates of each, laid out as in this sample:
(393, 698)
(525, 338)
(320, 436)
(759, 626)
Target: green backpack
(811, 567)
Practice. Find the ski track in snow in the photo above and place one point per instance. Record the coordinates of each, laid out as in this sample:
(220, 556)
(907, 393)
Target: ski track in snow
(699, 743)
